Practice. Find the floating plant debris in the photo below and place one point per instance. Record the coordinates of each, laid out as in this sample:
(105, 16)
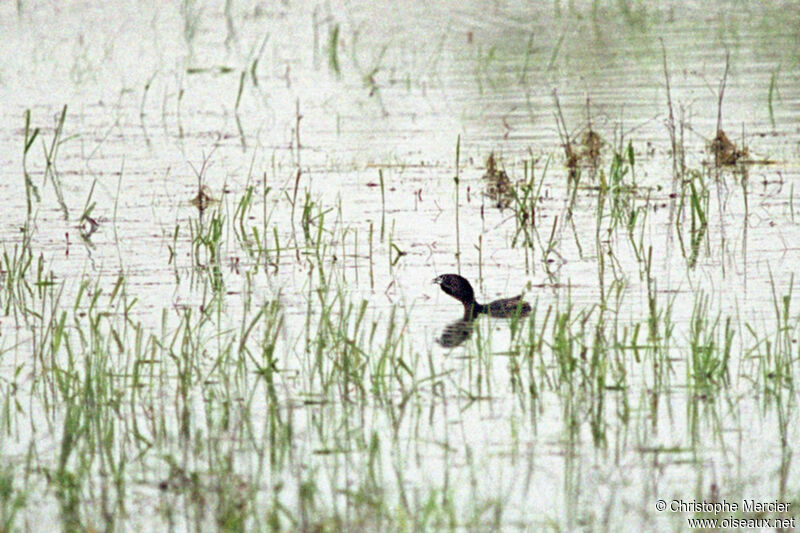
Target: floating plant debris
(591, 143)
(203, 200)
(498, 186)
(724, 151)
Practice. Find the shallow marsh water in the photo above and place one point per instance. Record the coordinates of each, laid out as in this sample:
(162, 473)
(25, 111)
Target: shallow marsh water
(273, 364)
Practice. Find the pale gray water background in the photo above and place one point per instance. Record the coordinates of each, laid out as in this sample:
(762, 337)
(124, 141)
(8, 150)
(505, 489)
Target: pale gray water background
(411, 80)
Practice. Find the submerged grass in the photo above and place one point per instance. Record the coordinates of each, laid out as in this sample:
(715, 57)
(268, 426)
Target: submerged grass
(242, 402)
(175, 405)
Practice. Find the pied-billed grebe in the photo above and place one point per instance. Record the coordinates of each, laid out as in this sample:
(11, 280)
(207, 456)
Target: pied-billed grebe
(460, 289)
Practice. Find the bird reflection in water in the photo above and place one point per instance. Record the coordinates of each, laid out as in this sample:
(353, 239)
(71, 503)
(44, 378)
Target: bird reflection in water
(456, 333)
